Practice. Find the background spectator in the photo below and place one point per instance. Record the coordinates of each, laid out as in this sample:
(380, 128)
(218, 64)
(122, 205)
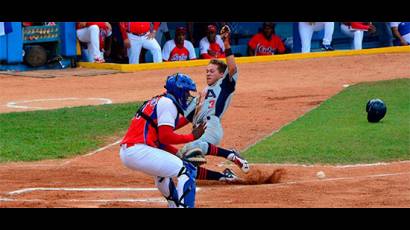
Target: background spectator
(137, 35)
(197, 30)
(356, 30)
(163, 32)
(384, 33)
(306, 30)
(94, 35)
(178, 49)
(401, 32)
(212, 45)
(266, 42)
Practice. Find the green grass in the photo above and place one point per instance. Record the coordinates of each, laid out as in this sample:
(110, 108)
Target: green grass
(338, 132)
(51, 134)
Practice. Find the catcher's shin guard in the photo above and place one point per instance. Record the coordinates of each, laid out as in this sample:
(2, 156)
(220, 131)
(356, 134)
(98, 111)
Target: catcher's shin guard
(167, 187)
(186, 185)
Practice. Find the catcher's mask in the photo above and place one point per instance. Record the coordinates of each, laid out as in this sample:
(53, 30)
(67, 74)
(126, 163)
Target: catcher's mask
(179, 86)
(376, 110)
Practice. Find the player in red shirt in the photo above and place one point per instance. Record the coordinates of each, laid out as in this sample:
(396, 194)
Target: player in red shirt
(266, 42)
(178, 49)
(212, 45)
(137, 35)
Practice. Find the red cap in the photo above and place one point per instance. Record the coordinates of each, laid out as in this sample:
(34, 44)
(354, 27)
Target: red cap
(211, 28)
(180, 30)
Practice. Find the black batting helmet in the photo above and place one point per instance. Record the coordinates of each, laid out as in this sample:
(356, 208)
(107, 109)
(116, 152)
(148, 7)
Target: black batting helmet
(376, 109)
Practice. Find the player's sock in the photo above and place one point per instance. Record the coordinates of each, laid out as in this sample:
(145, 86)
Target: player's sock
(217, 151)
(206, 174)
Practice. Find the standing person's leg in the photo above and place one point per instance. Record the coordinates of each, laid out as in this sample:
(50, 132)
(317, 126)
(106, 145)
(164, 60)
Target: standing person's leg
(153, 46)
(90, 35)
(94, 44)
(345, 30)
(135, 50)
(328, 36)
(306, 32)
(161, 164)
(358, 39)
(83, 36)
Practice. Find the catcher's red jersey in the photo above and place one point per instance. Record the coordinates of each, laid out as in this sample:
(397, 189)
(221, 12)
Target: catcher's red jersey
(140, 130)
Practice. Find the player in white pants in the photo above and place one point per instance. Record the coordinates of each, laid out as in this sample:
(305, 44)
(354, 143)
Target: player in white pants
(148, 142)
(91, 35)
(356, 33)
(306, 30)
(145, 41)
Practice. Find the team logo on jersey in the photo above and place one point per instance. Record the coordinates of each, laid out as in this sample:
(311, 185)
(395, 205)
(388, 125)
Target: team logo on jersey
(181, 57)
(264, 50)
(210, 93)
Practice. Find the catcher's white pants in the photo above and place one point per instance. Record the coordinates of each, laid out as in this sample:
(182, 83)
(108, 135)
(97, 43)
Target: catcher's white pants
(157, 163)
(306, 30)
(90, 35)
(137, 42)
(357, 36)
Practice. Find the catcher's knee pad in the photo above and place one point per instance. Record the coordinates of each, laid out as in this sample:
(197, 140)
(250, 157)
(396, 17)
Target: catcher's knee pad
(167, 187)
(186, 185)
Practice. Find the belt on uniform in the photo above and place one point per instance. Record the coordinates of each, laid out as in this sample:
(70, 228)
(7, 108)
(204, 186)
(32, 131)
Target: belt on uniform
(128, 145)
(141, 34)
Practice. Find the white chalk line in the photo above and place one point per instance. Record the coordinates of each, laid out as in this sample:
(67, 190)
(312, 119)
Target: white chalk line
(14, 104)
(126, 200)
(91, 153)
(325, 180)
(123, 200)
(332, 166)
(28, 190)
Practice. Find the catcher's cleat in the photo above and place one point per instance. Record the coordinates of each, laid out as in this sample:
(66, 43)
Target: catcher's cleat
(229, 176)
(236, 158)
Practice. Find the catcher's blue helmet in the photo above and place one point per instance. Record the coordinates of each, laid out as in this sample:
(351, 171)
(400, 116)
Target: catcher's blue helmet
(178, 85)
(376, 109)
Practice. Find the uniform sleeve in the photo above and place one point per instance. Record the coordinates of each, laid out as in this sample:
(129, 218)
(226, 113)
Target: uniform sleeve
(166, 51)
(252, 43)
(191, 50)
(203, 46)
(123, 30)
(166, 112)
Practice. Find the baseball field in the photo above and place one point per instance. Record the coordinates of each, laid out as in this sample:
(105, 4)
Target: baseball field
(291, 118)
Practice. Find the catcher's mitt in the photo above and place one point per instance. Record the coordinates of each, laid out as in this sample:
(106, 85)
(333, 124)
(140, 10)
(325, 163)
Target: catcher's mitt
(193, 156)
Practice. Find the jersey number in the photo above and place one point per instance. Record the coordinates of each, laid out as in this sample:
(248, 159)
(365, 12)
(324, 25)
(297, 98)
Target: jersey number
(211, 104)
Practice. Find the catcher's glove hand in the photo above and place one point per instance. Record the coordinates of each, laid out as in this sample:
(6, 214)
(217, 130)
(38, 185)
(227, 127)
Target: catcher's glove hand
(193, 156)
